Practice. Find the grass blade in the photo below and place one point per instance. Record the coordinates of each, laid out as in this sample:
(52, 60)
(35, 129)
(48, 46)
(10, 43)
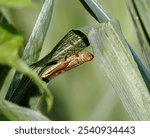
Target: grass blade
(114, 57)
(139, 17)
(3, 73)
(12, 112)
(143, 9)
(32, 52)
(35, 42)
(96, 10)
(101, 15)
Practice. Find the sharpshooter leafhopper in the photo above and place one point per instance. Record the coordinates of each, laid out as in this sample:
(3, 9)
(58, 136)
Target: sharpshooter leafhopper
(65, 65)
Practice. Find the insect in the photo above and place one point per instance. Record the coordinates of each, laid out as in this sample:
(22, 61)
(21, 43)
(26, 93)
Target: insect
(73, 42)
(65, 65)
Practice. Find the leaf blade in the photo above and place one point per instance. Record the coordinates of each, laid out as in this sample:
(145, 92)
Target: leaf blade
(121, 70)
(16, 113)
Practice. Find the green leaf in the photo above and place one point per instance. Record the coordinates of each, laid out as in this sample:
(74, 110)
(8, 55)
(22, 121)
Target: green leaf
(114, 57)
(16, 3)
(34, 45)
(20, 66)
(16, 113)
(3, 73)
(31, 54)
(139, 12)
(143, 6)
(10, 42)
(96, 10)
(101, 16)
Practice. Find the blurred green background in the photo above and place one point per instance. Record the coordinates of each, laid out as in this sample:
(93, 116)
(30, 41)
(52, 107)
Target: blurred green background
(82, 93)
